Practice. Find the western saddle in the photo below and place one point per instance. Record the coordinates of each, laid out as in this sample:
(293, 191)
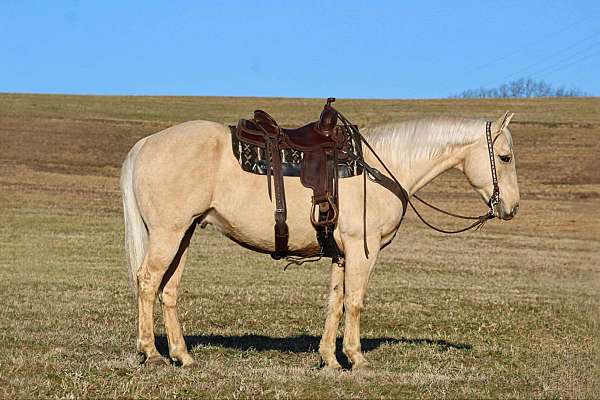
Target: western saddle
(323, 151)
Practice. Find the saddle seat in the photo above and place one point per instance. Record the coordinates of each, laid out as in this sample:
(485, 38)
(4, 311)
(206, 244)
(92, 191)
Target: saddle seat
(319, 134)
(310, 137)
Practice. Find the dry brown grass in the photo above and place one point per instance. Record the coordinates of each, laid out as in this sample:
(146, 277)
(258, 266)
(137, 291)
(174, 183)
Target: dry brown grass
(510, 312)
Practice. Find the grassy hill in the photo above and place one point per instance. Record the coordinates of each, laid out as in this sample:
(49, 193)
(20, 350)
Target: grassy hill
(512, 311)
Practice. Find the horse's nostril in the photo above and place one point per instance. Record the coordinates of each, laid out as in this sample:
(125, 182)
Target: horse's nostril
(515, 210)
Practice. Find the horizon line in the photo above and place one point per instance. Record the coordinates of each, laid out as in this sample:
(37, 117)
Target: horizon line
(587, 96)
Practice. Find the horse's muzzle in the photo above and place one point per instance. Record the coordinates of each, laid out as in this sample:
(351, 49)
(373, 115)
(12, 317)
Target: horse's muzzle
(508, 215)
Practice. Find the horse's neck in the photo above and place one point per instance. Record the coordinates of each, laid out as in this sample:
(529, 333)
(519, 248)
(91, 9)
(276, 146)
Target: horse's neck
(423, 172)
(419, 172)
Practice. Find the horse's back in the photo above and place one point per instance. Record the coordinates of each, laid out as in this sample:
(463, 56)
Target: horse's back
(182, 142)
(195, 133)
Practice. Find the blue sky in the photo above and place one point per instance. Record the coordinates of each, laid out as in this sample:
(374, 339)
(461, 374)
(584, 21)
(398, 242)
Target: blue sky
(358, 49)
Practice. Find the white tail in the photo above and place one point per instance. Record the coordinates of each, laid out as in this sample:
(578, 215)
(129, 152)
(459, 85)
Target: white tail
(136, 234)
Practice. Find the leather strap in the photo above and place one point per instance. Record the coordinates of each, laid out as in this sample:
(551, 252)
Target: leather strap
(388, 183)
(281, 228)
(274, 168)
(495, 197)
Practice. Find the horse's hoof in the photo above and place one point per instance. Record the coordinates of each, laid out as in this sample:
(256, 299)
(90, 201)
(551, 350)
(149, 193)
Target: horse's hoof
(192, 365)
(331, 366)
(361, 366)
(155, 361)
(329, 362)
(187, 361)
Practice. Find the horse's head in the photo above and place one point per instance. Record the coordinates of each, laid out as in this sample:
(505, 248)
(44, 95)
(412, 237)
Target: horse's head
(477, 168)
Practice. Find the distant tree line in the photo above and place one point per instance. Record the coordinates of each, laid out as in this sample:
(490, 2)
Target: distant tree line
(524, 87)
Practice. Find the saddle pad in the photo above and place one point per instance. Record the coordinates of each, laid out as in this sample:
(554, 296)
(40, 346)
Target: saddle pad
(253, 159)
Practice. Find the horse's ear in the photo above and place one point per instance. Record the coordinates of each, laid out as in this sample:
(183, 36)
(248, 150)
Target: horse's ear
(504, 120)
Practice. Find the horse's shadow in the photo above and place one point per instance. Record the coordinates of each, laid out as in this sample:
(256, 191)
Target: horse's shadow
(301, 343)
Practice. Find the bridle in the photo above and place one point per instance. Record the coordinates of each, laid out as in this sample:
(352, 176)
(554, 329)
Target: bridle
(495, 197)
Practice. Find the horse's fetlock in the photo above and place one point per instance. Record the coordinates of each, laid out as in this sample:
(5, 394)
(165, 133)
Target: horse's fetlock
(146, 347)
(176, 353)
(326, 349)
(180, 355)
(348, 352)
(352, 352)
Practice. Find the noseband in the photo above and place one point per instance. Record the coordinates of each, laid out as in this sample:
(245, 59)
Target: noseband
(495, 197)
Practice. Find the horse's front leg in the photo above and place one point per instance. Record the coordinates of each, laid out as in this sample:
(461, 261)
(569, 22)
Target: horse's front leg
(358, 270)
(335, 308)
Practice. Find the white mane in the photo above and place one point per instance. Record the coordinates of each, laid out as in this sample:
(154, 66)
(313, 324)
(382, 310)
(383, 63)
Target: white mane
(428, 138)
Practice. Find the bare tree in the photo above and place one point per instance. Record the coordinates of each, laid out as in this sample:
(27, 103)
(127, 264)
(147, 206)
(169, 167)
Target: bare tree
(523, 87)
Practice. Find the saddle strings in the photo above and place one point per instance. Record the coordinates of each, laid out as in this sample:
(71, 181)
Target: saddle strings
(299, 260)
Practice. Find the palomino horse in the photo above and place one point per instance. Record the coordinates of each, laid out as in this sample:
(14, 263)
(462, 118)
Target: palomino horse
(187, 175)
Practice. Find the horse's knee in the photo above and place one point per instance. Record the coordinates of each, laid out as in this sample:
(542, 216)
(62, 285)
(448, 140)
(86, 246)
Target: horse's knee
(353, 306)
(168, 299)
(336, 298)
(337, 313)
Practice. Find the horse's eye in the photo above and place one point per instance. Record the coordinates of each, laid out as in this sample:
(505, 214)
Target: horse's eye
(505, 158)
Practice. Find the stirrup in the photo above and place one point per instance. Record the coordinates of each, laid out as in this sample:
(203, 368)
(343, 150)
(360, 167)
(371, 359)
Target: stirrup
(328, 221)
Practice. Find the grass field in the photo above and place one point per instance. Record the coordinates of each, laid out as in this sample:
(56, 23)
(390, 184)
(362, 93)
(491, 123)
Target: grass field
(512, 311)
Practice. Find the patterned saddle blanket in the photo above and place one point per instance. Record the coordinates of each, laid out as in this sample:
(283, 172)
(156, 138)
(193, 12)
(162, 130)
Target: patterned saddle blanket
(253, 159)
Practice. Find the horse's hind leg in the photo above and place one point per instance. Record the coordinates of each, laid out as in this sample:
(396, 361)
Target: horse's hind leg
(168, 300)
(335, 308)
(162, 249)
